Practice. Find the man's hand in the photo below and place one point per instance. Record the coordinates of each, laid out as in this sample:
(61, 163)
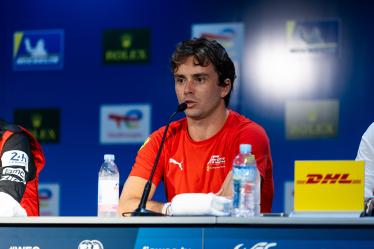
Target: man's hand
(166, 209)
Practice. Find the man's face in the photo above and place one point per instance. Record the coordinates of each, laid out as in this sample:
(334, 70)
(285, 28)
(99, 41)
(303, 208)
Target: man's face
(198, 87)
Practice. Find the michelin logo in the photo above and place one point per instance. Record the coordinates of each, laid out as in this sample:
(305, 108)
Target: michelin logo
(38, 49)
(90, 244)
(259, 245)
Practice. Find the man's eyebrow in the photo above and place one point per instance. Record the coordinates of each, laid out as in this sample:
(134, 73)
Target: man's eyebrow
(199, 74)
(194, 75)
(179, 76)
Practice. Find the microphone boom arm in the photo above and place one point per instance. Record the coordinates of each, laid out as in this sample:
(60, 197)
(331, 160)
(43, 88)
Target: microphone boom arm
(141, 210)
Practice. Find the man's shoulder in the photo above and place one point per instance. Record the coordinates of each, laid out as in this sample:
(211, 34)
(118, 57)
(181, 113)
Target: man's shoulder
(238, 117)
(5, 126)
(17, 141)
(241, 126)
(174, 128)
(13, 130)
(370, 130)
(240, 121)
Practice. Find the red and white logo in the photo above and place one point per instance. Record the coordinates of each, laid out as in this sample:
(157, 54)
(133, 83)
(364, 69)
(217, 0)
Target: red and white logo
(216, 162)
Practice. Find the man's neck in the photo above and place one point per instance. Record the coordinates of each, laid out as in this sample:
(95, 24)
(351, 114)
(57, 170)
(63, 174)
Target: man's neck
(203, 129)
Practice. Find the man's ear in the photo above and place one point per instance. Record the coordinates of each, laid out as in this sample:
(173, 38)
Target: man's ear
(226, 88)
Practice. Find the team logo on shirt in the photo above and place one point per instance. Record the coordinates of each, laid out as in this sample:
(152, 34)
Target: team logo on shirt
(15, 158)
(216, 162)
(179, 164)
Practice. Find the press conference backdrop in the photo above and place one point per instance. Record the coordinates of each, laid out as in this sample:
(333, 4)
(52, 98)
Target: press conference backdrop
(68, 68)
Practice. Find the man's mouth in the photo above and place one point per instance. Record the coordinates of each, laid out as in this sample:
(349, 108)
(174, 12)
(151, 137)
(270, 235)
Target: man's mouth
(190, 103)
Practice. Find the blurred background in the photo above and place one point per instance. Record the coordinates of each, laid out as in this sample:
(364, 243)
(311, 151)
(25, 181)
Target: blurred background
(93, 77)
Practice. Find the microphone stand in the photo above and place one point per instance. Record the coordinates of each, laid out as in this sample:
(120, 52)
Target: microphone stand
(141, 210)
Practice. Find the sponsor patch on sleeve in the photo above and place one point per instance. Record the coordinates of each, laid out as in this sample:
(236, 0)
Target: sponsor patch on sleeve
(13, 175)
(15, 158)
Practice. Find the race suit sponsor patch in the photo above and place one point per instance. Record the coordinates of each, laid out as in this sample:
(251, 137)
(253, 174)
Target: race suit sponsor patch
(15, 172)
(15, 158)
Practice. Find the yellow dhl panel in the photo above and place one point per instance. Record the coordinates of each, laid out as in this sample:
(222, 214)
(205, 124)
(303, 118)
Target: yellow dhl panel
(329, 186)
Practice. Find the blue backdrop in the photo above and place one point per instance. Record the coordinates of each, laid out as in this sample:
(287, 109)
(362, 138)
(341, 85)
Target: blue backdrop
(85, 82)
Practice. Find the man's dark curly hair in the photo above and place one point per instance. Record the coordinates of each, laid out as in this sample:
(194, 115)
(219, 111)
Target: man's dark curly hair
(205, 52)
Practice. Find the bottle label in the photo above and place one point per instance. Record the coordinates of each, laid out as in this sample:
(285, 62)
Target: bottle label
(244, 189)
(108, 195)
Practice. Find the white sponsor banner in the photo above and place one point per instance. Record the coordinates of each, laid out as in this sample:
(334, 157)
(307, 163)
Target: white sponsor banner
(231, 37)
(49, 195)
(313, 36)
(124, 124)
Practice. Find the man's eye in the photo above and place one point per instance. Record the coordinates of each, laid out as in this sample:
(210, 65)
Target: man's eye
(179, 80)
(200, 79)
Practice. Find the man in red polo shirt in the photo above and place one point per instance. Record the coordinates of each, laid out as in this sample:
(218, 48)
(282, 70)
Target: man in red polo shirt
(199, 150)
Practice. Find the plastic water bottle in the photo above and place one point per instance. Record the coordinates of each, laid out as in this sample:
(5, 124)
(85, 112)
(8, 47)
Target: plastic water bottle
(246, 184)
(108, 188)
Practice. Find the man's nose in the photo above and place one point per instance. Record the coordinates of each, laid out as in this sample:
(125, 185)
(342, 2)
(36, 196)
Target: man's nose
(188, 87)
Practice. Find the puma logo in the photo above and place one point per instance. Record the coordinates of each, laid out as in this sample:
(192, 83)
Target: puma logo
(171, 160)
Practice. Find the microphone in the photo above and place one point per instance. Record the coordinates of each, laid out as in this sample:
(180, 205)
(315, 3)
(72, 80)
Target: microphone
(141, 210)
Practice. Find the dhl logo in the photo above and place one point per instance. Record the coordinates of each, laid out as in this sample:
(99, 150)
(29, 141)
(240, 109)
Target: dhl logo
(328, 179)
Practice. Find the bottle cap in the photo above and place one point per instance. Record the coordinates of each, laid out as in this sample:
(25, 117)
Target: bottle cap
(109, 157)
(245, 148)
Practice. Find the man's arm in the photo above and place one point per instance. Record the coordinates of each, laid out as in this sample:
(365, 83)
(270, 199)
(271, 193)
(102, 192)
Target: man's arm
(226, 187)
(366, 153)
(132, 193)
(16, 168)
(134, 185)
